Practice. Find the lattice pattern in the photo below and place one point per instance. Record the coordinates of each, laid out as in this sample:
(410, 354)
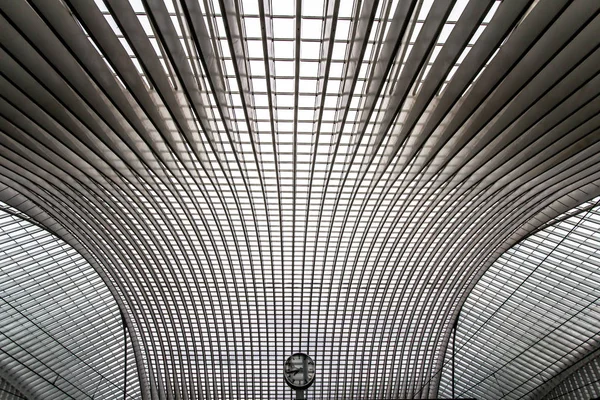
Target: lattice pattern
(258, 178)
(583, 383)
(534, 313)
(61, 335)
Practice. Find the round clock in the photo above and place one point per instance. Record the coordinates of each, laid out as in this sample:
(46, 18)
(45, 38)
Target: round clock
(299, 371)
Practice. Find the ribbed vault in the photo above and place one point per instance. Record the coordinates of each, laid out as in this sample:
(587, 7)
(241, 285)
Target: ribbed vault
(61, 335)
(257, 178)
(533, 315)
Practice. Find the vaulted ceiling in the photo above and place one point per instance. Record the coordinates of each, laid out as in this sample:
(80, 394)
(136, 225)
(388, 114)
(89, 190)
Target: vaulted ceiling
(254, 178)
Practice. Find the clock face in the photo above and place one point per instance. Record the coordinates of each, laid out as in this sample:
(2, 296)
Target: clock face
(299, 371)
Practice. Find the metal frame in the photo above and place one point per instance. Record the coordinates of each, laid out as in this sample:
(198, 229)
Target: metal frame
(257, 178)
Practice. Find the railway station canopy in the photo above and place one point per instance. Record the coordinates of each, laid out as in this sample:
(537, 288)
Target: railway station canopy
(407, 191)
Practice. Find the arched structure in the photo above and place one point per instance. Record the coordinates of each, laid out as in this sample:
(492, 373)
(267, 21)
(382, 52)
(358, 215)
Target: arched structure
(534, 315)
(61, 335)
(256, 178)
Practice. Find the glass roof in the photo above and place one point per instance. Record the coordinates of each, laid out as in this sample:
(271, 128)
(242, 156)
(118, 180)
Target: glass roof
(534, 313)
(255, 178)
(61, 334)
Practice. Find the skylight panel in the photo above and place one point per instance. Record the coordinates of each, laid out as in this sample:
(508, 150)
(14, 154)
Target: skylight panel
(252, 26)
(250, 7)
(466, 50)
(257, 68)
(415, 34)
(444, 34)
(284, 28)
(308, 69)
(457, 10)
(346, 8)
(255, 49)
(283, 50)
(101, 6)
(342, 30)
(284, 69)
(284, 8)
(311, 28)
(259, 85)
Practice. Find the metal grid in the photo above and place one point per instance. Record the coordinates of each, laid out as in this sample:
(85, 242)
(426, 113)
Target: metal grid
(257, 178)
(533, 314)
(61, 336)
(8, 392)
(584, 382)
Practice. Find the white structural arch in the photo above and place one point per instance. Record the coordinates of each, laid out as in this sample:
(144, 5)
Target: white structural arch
(256, 178)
